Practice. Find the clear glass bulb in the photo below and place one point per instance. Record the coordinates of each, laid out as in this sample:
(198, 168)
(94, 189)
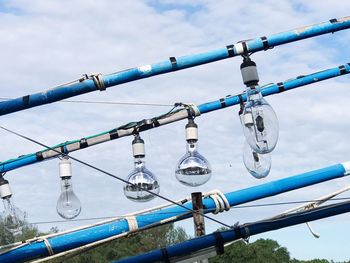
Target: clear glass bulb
(193, 169)
(13, 218)
(139, 178)
(258, 165)
(260, 123)
(68, 204)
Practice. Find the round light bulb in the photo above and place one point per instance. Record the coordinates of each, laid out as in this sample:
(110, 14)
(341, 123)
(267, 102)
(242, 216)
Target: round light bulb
(13, 218)
(68, 204)
(139, 179)
(260, 123)
(258, 165)
(193, 169)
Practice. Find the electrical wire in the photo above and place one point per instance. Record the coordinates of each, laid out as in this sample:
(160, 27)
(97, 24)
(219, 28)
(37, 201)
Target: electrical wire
(238, 206)
(110, 102)
(114, 176)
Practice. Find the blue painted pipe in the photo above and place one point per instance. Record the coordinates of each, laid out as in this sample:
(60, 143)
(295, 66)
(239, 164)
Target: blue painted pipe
(173, 64)
(191, 246)
(89, 235)
(203, 108)
(277, 88)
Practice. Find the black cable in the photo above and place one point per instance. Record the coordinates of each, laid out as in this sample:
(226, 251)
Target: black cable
(114, 176)
(238, 206)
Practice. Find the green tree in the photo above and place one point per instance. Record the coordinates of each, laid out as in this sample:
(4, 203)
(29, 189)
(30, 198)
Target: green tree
(132, 245)
(262, 250)
(28, 231)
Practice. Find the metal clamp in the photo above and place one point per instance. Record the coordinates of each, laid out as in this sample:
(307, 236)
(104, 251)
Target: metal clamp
(97, 79)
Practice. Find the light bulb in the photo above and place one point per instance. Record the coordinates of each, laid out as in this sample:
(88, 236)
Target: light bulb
(13, 218)
(192, 169)
(68, 205)
(258, 165)
(140, 179)
(259, 121)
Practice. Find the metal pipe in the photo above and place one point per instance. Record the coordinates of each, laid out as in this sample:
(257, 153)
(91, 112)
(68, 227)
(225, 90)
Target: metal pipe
(98, 82)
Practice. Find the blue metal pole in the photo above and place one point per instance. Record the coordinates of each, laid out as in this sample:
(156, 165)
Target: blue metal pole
(172, 64)
(74, 145)
(214, 240)
(89, 235)
(277, 88)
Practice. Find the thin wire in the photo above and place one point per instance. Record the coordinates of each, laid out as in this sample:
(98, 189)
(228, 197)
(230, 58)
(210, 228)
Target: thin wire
(290, 202)
(239, 206)
(114, 176)
(109, 102)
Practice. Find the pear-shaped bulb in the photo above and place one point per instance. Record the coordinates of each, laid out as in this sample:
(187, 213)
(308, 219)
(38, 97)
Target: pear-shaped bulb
(68, 204)
(141, 179)
(258, 165)
(260, 123)
(193, 169)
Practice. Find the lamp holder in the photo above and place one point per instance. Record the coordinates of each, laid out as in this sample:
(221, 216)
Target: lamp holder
(138, 147)
(249, 72)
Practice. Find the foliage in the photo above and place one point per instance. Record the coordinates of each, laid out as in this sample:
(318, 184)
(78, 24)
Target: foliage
(135, 244)
(260, 251)
(28, 231)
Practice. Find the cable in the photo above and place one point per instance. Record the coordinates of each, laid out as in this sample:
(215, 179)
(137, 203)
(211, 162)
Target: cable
(239, 206)
(109, 102)
(114, 176)
(289, 202)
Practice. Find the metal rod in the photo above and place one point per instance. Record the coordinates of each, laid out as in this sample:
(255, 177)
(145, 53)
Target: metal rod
(99, 82)
(143, 125)
(198, 219)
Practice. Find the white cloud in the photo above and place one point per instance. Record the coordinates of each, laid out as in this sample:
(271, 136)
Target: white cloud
(50, 42)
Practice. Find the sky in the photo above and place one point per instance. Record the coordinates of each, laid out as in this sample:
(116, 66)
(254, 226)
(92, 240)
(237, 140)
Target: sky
(46, 43)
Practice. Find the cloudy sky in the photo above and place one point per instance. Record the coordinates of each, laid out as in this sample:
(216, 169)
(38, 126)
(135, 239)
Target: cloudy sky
(46, 43)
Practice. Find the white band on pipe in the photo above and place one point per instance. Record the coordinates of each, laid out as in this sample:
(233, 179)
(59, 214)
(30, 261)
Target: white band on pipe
(195, 109)
(48, 246)
(5, 190)
(347, 168)
(191, 133)
(145, 69)
(132, 222)
(138, 149)
(220, 201)
(98, 139)
(239, 48)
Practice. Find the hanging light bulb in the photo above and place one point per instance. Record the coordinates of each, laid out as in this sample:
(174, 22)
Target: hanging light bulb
(68, 205)
(259, 121)
(140, 179)
(192, 169)
(13, 218)
(258, 165)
